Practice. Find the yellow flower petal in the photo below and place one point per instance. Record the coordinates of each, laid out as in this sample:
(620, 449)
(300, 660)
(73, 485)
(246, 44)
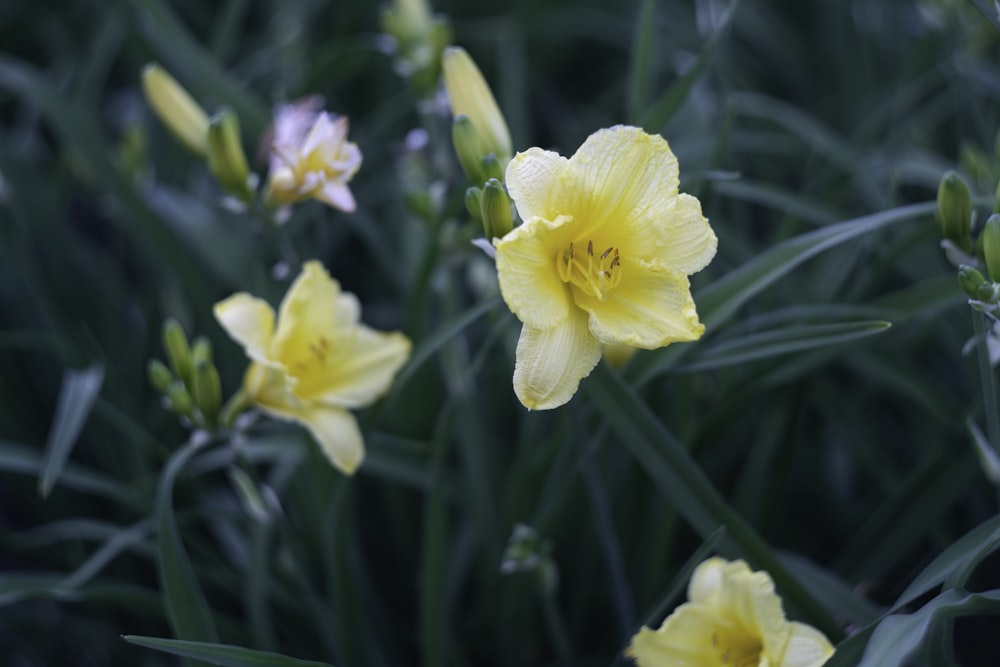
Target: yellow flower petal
(526, 269)
(334, 429)
(551, 362)
(312, 308)
(623, 182)
(533, 183)
(652, 307)
(692, 243)
(733, 617)
(364, 372)
(249, 321)
(807, 647)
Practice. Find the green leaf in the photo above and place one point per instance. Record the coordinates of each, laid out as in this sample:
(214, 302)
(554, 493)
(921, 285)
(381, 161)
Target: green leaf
(187, 610)
(640, 71)
(785, 340)
(664, 108)
(722, 299)
(76, 398)
(956, 563)
(26, 460)
(683, 482)
(221, 654)
(898, 636)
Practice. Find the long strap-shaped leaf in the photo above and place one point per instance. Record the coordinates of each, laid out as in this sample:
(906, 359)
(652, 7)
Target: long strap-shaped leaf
(723, 298)
(681, 480)
(221, 654)
(188, 612)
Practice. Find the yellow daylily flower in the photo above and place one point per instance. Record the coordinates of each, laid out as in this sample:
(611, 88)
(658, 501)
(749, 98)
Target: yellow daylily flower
(311, 157)
(603, 256)
(733, 618)
(317, 362)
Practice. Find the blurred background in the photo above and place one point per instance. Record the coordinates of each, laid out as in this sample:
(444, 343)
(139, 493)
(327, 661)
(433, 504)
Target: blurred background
(786, 117)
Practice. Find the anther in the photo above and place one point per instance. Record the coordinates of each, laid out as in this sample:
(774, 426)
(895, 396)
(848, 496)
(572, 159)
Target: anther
(607, 252)
(590, 248)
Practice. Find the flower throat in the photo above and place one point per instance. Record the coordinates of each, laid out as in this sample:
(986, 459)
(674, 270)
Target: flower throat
(595, 275)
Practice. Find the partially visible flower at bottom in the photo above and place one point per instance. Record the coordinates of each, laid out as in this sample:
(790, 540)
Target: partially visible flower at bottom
(311, 157)
(733, 618)
(317, 362)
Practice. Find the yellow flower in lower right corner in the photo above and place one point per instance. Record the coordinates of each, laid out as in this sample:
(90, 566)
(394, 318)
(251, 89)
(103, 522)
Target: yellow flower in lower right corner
(733, 618)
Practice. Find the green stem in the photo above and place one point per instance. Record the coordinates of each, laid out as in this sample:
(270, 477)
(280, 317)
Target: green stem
(979, 323)
(680, 479)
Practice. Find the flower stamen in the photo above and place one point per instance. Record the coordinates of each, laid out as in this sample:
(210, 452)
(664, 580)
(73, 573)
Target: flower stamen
(596, 276)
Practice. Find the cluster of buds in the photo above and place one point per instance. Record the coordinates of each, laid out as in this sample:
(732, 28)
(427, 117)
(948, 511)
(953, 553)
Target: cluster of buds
(216, 139)
(482, 142)
(527, 552)
(189, 381)
(418, 38)
(972, 256)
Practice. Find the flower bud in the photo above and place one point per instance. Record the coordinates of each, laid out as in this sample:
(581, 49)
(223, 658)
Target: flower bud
(970, 279)
(471, 96)
(159, 375)
(181, 114)
(991, 246)
(473, 202)
(492, 168)
(955, 210)
(205, 386)
(495, 208)
(180, 400)
(469, 149)
(226, 158)
(178, 352)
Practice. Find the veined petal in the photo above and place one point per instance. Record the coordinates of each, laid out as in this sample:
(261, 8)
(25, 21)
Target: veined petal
(532, 182)
(551, 362)
(807, 647)
(308, 311)
(749, 597)
(684, 638)
(271, 388)
(622, 181)
(361, 374)
(337, 195)
(249, 321)
(652, 307)
(336, 430)
(692, 243)
(526, 269)
(706, 580)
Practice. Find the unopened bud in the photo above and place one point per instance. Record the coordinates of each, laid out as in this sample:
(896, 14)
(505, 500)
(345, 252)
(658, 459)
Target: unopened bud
(991, 246)
(495, 207)
(178, 111)
(469, 149)
(971, 280)
(178, 352)
(226, 158)
(470, 95)
(492, 168)
(954, 208)
(180, 400)
(207, 391)
(473, 199)
(159, 375)
(987, 292)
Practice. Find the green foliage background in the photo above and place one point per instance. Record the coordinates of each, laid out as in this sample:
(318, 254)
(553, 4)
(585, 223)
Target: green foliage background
(841, 442)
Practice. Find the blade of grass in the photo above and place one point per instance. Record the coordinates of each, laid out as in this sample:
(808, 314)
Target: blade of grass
(640, 70)
(664, 108)
(723, 298)
(221, 654)
(76, 397)
(187, 610)
(776, 342)
(680, 479)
